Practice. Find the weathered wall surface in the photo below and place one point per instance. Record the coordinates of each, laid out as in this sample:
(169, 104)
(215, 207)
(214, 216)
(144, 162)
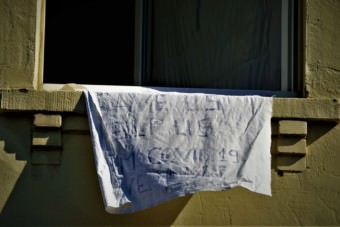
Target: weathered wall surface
(67, 191)
(17, 43)
(322, 48)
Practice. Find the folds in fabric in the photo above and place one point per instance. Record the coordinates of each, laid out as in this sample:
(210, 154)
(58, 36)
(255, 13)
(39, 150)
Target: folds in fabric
(153, 146)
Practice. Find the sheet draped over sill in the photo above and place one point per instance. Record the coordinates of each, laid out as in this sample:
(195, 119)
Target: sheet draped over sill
(151, 146)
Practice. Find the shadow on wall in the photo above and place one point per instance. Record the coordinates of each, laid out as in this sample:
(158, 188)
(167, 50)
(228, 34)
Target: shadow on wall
(10, 167)
(10, 171)
(65, 194)
(317, 130)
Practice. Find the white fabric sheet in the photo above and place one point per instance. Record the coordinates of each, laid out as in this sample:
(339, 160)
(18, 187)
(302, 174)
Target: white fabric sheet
(151, 146)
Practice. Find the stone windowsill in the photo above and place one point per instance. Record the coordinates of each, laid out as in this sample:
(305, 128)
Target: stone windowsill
(73, 102)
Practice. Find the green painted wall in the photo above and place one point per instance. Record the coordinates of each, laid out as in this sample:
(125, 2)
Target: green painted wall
(68, 194)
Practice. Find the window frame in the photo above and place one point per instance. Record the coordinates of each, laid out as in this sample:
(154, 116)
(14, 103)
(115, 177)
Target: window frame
(32, 95)
(142, 56)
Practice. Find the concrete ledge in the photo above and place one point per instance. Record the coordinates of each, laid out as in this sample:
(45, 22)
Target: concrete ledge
(73, 101)
(289, 127)
(39, 100)
(47, 120)
(307, 108)
(291, 163)
(46, 138)
(292, 146)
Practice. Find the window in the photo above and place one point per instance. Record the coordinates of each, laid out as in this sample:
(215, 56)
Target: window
(89, 42)
(229, 44)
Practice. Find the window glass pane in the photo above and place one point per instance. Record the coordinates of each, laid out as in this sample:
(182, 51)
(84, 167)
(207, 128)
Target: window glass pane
(89, 42)
(229, 44)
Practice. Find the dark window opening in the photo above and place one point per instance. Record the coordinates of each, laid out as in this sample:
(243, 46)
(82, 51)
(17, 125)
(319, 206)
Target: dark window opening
(89, 42)
(227, 44)
(235, 44)
(216, 44)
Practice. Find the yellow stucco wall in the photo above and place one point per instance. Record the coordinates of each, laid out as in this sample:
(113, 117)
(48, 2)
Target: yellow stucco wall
(68, 193)
(18, 44)
(322, 50)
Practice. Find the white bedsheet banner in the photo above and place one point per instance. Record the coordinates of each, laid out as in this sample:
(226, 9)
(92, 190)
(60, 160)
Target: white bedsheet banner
(151, 146)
